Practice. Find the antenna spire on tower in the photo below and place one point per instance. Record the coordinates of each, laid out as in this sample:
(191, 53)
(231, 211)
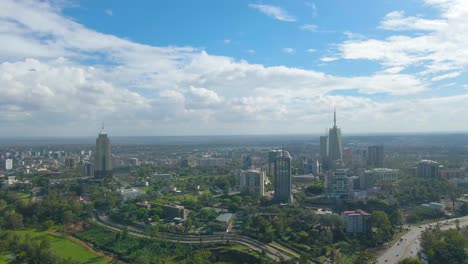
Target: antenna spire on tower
(102, 128)
(334, 116)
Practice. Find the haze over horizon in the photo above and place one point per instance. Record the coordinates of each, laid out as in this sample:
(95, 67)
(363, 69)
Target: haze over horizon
(232, 67)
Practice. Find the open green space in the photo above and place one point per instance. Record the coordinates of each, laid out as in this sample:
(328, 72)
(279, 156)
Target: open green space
(64, 247)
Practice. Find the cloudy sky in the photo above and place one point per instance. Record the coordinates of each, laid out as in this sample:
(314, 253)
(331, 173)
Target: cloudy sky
(174, 67)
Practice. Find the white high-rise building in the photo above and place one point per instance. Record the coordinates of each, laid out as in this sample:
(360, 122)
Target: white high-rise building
(9, 164)
(252, 181)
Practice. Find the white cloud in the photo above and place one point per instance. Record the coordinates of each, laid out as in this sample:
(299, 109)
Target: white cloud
(274, 11)
(310, 27)
(147, 90)
(440, 47)
(311, 50)
(397, 21)
(328, 59)
(227, 41)
(289, 50)
(446, 76)
(251, 51)
(109, 12)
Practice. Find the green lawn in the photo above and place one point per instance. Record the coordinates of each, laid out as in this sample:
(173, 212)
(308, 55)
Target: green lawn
(3, 260)
(66, 248)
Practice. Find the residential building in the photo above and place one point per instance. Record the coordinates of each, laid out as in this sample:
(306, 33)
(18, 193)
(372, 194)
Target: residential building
(70, 163)
(103, 162)
(252, 181)
(428, 169)
(87, 169)
(450, 173)
(355, 221)
(282, 178)
(8, 164)
(375, 156)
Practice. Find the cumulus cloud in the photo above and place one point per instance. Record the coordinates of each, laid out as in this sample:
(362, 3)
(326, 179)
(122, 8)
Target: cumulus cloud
(441, 48)
(275, 12)
(47, 82)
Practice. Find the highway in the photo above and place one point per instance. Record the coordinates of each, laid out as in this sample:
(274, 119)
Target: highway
(411, 244)
(219, 238)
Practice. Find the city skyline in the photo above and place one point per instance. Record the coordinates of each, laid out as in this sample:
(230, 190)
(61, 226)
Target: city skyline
(232, 68)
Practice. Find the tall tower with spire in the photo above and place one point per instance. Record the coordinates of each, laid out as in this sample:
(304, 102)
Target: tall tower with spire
(103, 156)
(335, 147)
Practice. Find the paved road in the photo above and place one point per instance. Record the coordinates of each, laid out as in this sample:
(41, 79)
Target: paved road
(411, 244)
(273, 253)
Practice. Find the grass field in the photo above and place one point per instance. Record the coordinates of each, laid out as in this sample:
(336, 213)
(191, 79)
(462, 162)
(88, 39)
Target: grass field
(65, 248)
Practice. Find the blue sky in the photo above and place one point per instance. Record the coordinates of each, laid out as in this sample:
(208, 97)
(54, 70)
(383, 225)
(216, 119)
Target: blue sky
(232, 67)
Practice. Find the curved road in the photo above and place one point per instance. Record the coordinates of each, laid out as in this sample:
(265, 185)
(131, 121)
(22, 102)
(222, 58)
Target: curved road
(411, 244)
(271, 252)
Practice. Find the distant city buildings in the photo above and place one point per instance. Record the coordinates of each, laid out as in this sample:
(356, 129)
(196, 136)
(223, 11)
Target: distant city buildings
(252, 181)
(355, 221)
(335, 147)
(375, 156)
(103, 162)
(8, 164)
(212, 162)
(282, 178)
(428, 169)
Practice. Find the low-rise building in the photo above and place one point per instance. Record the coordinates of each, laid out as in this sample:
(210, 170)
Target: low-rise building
(435, 206)
(130, 194)
(225, 220)
(377, 176)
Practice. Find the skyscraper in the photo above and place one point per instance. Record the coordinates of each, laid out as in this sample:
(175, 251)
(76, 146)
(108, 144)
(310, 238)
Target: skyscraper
(375, 156)
(335, 151)
(323, 147)
(282, 173)
(103, 157)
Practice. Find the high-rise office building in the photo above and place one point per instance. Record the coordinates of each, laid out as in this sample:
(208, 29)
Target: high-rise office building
(428, 169)
(247, 162)
(252, 181)
(338, 184)
(282, 178)
(323, 147)
(102, 157)
(335, 147)
(375, 156)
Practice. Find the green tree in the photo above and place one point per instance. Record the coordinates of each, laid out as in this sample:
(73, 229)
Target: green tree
(410, 261)
(380, 228)
(365, 257)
